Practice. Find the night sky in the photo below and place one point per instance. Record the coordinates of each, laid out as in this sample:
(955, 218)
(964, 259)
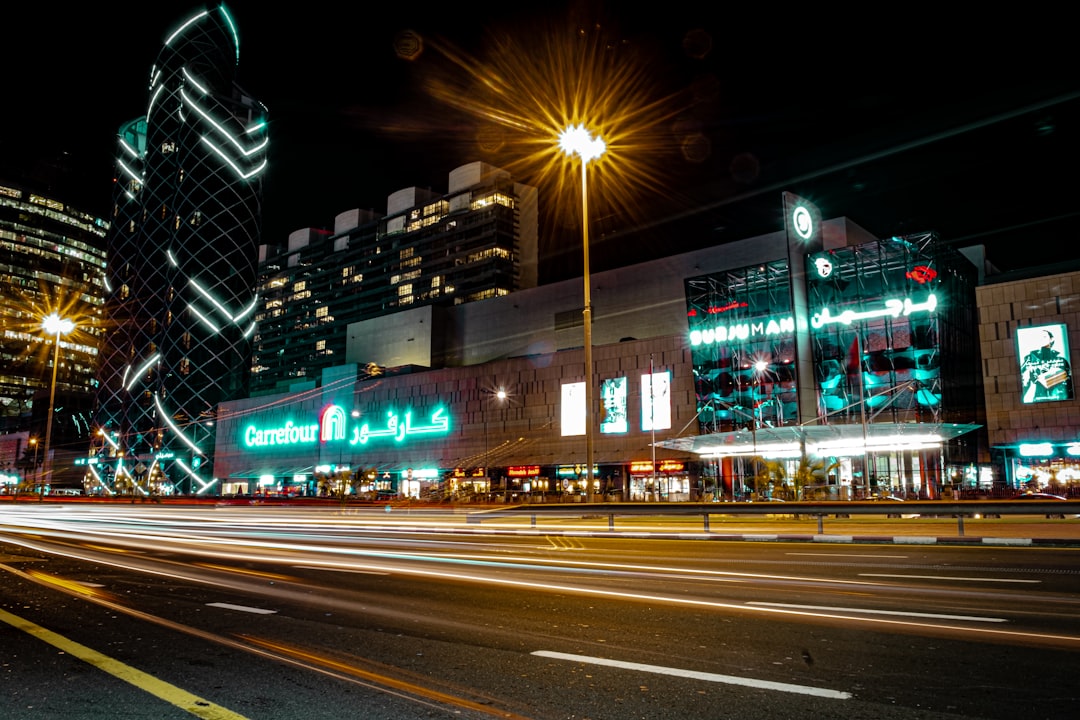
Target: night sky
(967, 126)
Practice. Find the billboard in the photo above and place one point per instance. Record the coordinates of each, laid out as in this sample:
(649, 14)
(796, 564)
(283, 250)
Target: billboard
(1045, 370)
(656, 401)
(573, 409)
(613, 405)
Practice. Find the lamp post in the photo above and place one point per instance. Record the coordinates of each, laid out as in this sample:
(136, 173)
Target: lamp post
(55, 326)
(34, 441)
(576, 140)
(500, 395)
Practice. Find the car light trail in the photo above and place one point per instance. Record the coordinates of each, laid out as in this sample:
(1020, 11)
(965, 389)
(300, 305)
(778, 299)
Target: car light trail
(223, 538)
(903, 613)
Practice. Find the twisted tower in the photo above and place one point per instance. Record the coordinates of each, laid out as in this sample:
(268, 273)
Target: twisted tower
(182, 258)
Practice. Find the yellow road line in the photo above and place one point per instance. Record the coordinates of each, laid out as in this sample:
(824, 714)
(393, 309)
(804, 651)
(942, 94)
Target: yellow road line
(171, 694)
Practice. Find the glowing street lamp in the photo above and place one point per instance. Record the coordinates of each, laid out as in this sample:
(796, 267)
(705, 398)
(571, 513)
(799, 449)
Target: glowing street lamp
(34, 441)
(55, 326)
(576, 140)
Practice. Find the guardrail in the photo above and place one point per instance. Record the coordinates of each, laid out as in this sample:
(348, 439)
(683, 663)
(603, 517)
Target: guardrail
(820, 510)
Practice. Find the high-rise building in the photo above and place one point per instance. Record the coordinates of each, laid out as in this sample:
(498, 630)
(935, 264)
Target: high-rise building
(183, 254)
(477, 241)
(52, 259)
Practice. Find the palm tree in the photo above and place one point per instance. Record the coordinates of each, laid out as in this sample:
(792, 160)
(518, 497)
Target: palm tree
(809, 471)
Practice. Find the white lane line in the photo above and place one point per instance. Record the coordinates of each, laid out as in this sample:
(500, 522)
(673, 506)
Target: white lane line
(242, 608)
(694, 674)
(946, 577)
(826, 608)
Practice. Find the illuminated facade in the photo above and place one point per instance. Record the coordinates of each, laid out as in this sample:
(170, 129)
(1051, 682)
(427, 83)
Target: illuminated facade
(896, 395)
(476, 242)
(183, 252)
(52, 257)
(1028, 324)
(657, 334)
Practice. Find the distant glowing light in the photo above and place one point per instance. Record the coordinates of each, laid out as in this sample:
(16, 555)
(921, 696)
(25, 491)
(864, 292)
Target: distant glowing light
(205, 319)
(803, 222)
(240, 173)
(56, 325)
(1036, 449)
(130, 173)
(185, 26)
(128, 149)
(232, 28)
(153, 101)
(193, 81)
(142, 370)
(167, 417)
(576, 140)
(246, 151)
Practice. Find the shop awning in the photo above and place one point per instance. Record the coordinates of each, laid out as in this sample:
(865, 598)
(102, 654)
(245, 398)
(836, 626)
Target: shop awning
(845, 439)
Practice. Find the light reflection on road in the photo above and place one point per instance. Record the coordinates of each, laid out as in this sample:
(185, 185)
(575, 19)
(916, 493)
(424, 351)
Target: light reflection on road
(141, 539)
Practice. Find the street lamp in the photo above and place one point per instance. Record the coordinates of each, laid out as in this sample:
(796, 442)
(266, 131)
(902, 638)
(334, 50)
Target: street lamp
(34, 441)
(55, 326)
(576, 140)
(500, 395)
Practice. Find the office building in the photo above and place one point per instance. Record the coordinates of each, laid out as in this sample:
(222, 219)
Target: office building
(477, 241)
(52, 260)
(183, 250)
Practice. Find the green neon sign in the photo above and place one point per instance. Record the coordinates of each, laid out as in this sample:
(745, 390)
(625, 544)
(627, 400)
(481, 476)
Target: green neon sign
(740, 331)
(333, 427)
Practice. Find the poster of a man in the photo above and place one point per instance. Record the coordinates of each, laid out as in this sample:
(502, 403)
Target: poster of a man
(1045, 370)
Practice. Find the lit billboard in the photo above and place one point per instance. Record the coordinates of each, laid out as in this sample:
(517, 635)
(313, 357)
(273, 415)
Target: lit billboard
(656, 401)
(1045, 370)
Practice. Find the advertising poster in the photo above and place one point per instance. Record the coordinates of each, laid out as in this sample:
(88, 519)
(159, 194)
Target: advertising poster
(656, 401)
(1045, 369)
(573, 409)
(613, 406)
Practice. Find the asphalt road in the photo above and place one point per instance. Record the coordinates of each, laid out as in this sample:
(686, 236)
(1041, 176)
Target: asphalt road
(287, 613)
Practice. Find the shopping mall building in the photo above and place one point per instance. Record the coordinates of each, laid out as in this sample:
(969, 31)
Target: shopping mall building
(815, 345)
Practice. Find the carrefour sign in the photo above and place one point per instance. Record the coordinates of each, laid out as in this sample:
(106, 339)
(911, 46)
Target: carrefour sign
(333, 426)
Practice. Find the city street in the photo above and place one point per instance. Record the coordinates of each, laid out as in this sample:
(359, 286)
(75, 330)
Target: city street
(259, 612)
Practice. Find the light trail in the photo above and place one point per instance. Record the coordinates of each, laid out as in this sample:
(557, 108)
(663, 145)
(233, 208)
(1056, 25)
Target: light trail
(247, 543)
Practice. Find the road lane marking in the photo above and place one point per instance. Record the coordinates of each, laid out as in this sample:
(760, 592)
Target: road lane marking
(946, 577)
(242, 608)
(826, 608)
(696, 675)
(171, 694)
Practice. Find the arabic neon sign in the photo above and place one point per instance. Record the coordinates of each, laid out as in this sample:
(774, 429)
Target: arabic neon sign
(333, 427)
(736, 331)
(894, 308)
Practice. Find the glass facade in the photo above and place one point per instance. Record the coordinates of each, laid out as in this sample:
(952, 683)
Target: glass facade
(183, 251)
(52, 258)
(882, 317)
